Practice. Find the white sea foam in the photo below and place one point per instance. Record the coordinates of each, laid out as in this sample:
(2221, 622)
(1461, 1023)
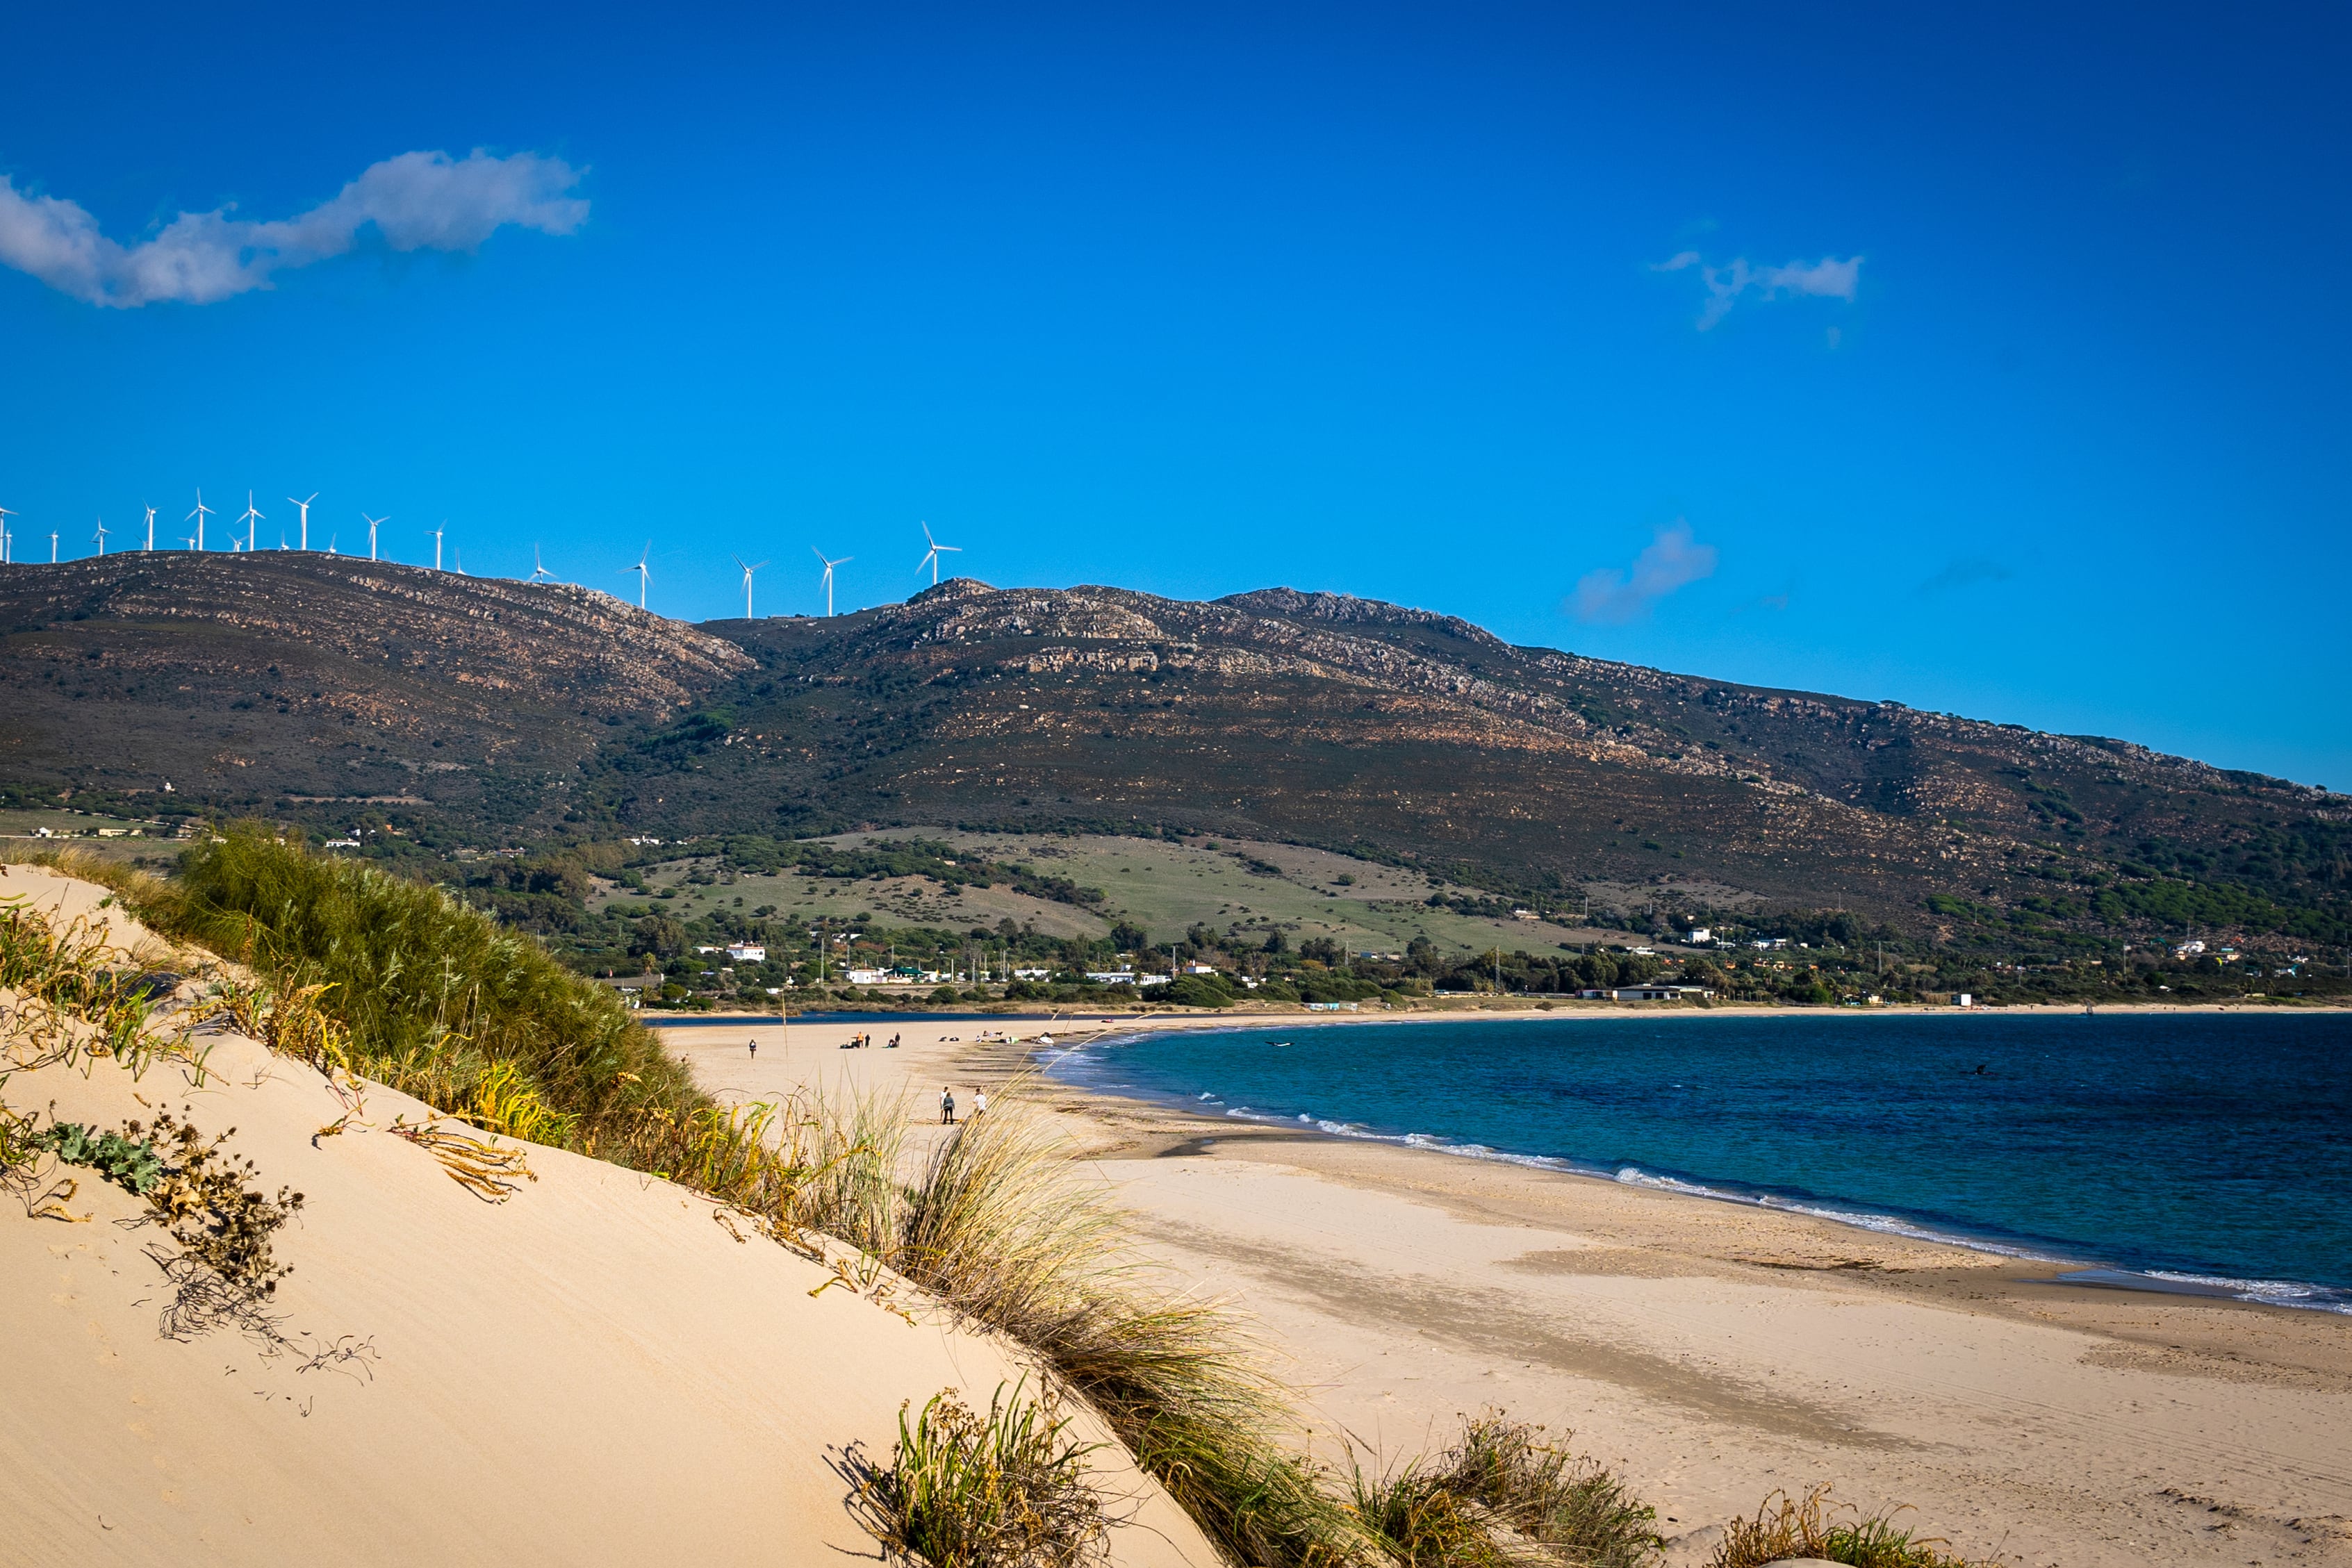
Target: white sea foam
(2269, 1292)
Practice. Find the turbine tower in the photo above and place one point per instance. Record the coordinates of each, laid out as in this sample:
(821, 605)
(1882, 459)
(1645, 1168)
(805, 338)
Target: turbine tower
(931, 556)
(100, 538)
(52, 547)
(538, 573)
(6, 537)
(748, 571)
(200, 514)
(642, 572)
(306, 518)
(829, 565)
(150, 530)
(252, 516)
(437, 543)
(373, 524)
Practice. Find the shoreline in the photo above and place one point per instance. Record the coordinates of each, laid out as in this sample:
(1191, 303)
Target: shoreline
(2090, 1273)
(2074, 1272)
(1709, 1351)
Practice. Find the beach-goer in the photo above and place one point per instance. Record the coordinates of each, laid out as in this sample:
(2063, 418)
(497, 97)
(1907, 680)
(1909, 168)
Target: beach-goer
(947, 1107)
(755, 1048)
(979, 1102)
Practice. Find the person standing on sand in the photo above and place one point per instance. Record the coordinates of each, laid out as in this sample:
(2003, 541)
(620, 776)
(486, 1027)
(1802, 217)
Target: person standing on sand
(755, 1048)
(979, 1103)
(947, 1107)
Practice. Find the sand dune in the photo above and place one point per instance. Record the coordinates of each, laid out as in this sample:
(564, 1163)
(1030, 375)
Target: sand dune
(594, 1371)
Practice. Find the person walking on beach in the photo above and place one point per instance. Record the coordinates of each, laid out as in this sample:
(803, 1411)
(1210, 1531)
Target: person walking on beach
(947, 1107)
(979, 1103)
(755, 1048)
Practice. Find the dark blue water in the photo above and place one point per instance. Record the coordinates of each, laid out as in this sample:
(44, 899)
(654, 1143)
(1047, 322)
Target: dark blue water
(2202, 1150)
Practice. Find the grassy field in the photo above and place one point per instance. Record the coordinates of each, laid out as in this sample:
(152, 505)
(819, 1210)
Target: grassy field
(1166, 886)
(901, 900)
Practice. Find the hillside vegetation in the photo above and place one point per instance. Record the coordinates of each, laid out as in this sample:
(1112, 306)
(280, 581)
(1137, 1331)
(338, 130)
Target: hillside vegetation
(443, 713)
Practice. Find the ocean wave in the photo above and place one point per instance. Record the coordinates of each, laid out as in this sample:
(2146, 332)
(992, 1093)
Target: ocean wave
(2269, 1292)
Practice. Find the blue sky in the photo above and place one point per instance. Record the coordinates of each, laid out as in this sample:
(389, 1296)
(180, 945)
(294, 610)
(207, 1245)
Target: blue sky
(2003, 372)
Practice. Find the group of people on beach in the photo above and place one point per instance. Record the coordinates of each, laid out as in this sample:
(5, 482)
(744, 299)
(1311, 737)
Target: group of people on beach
(861, 1039)
(947, 1108)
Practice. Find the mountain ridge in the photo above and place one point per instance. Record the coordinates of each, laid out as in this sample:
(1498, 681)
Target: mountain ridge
(517, 710)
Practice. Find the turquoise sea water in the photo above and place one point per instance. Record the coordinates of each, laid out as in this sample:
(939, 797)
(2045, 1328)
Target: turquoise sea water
(2201, 1151)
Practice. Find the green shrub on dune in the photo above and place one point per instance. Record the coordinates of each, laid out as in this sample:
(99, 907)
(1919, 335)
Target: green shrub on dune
(439, 999)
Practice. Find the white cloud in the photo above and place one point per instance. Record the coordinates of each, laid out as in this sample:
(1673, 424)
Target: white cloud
(418, 201)
(1611, 597)
(1828, 279)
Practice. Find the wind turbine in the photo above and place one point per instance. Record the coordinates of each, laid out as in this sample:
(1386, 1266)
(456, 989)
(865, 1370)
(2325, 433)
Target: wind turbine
(4, 535)
(437, 543)
(538, 573)
(748, 571)
(829, 565)
(373, 524)
(330, 544)
(151, 529)
(252, 516)
(52, 547)
(200, 514)
(931, 558)
(641, 573)
(100, 538)
(306, 518)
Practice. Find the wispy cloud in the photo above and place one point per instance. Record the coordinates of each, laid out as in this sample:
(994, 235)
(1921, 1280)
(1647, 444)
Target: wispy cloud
(1828, 279)
(1966, 572)
(1611, 597)
(418, 201)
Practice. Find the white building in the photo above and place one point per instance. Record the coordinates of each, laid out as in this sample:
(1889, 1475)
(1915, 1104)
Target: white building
(1658, 993)
(747, 952)
(869, 977)
(1702, 936)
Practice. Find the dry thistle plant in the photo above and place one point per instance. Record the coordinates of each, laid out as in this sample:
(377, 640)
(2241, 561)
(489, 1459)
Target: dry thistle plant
(482, 1169)
(1009, 1490)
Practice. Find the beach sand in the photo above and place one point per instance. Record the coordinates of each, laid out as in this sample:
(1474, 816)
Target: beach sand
(1710, 1352)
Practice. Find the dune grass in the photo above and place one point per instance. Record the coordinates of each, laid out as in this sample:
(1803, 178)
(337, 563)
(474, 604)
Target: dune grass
(1786, 1527)
(1502, 1496)
(1007, 1490)
(1001, 1226)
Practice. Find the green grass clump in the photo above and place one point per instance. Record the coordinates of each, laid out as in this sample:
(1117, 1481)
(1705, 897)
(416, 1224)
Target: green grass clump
(1008, 1490)
(1786, 1527)
(1501, 1496)
(439, 999)
(1001, 1227)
